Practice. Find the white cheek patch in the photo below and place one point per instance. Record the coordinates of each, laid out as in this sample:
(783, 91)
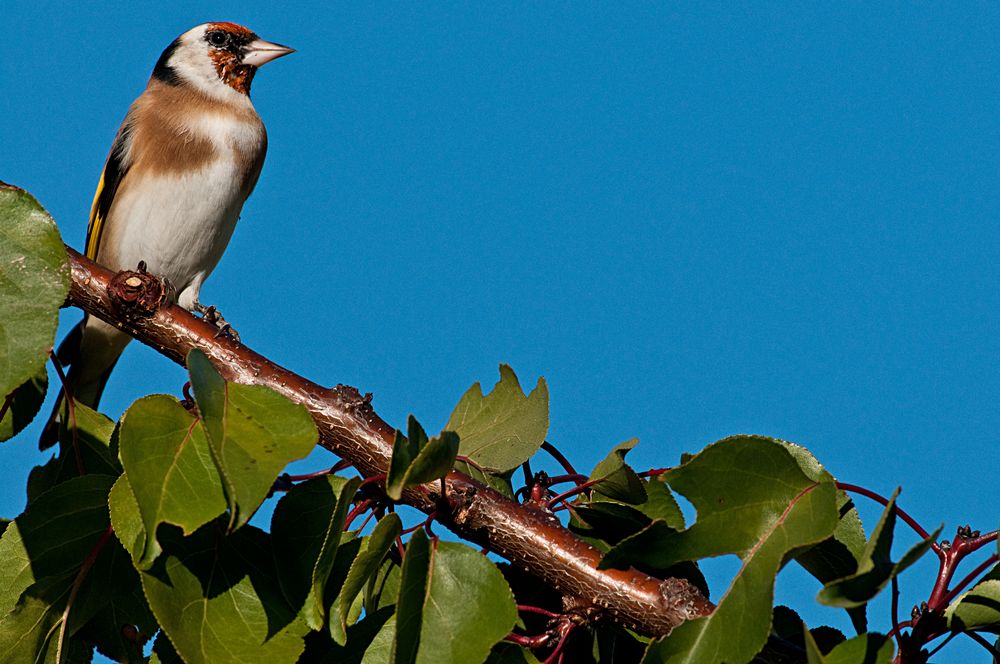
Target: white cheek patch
(194, 65)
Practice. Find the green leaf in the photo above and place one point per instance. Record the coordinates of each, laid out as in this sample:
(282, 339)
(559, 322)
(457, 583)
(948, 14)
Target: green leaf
(253, 433)
(738, 486)
(218, 600)
(410, 604)
(29, 633)
(752, 499)
(110, 598)
(503, 429)
(404, 451)
(498, 482)
(53, 536)
(813, 654)
(868, 648)
(43, 551)
(307, 526)
(618, 481)
(126, 520)
(24, 403)
(86, 443)
(875, 569)
(836, 556)
(381, 649)
(607, 521)
(382, 588)
(321, 649)
(978, 609)
(437, 577)
(163, 651)
(508, 653)
(169, 468)
(34, 280)
(416, 460)
(462, 577)
(365, 565)
(661, 504)
(126, 608)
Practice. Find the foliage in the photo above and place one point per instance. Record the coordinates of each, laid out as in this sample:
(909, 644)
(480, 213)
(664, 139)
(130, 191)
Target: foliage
(136, 532)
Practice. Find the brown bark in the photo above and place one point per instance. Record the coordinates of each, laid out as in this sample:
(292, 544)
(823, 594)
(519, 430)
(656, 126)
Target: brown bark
(529, 537)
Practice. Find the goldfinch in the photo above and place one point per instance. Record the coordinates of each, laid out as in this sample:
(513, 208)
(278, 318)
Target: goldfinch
(184, 161)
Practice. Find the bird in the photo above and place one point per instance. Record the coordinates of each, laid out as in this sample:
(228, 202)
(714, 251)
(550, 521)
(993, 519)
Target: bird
(185, 159)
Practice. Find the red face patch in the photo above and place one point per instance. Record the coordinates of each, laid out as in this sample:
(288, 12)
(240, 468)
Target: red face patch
(234, 28)
(226, 41)
(233, 73)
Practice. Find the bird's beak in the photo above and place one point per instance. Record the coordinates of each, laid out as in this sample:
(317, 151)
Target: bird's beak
(260, 52)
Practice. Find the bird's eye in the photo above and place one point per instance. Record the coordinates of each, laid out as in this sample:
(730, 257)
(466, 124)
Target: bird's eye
(218, 38)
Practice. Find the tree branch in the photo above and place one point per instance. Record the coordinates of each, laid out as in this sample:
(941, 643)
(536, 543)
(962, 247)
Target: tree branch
(531, 538)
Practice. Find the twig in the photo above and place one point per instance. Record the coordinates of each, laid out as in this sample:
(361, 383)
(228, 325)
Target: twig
(350, 428)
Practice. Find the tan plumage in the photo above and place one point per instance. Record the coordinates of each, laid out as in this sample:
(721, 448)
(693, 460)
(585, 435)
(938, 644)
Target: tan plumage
(185, 159)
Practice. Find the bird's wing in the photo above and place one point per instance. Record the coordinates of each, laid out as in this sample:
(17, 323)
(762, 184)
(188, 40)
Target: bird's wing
(115, 168)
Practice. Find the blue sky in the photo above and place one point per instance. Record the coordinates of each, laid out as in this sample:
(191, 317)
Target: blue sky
(694, 222)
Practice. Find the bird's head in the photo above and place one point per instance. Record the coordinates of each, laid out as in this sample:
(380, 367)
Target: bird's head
(219, 59)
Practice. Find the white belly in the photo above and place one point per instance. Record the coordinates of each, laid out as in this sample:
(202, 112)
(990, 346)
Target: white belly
(178, 225)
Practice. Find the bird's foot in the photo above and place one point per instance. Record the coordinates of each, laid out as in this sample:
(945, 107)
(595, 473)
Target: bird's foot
(212, 316)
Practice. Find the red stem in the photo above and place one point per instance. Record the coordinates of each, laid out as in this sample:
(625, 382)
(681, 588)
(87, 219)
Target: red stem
(969, 578)
(909, 520)
(380, 477)
(367, 519)
(559, 479)
(423, 524)
(529, 642)
(360, 508)
(579, 488)
(88, 562)
(898, 628)
(928, 626)
(565, 630)
(537, 609)
(525, 467)
(558, 456)
(71, 408)
(653, 472)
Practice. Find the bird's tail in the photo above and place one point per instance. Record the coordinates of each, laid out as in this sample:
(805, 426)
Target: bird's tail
(90, 350)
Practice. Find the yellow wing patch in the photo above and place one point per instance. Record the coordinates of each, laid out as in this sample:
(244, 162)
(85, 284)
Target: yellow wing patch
(96, 224)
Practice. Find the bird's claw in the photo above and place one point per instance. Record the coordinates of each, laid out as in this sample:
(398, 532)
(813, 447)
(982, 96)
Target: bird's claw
(212, 316)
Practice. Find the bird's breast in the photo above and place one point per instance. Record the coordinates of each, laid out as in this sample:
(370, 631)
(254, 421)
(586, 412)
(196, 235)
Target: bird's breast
(178, 206)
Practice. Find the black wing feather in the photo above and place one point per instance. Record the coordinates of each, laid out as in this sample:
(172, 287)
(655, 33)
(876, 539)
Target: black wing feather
(114, 172)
